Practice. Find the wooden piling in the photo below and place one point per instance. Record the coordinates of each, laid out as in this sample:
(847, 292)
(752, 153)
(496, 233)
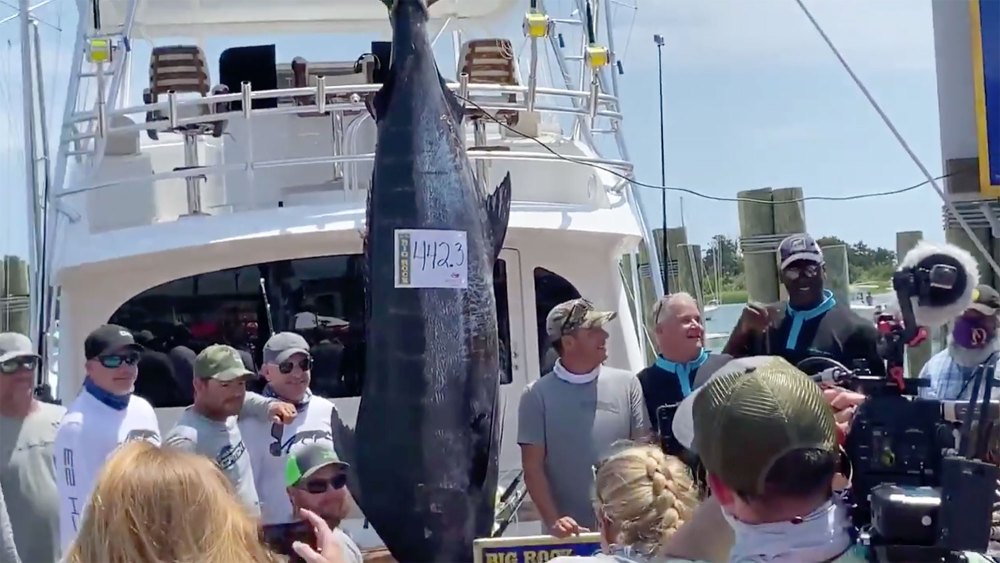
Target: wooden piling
(916, 356)
(15, 305)
(789, 219)
(757, 219)
(837, 271)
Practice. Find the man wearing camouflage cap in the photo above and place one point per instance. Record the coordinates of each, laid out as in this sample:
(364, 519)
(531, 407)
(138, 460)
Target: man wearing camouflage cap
(209, 426)
(570, 417)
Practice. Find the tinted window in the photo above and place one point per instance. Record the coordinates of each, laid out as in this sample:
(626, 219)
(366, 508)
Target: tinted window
(320, 298)
(551, 289)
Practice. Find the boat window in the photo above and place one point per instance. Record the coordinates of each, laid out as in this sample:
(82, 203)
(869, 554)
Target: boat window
(321, 298)
(551, 289)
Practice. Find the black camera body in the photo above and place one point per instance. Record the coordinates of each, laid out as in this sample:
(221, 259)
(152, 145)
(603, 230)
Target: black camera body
(911, 497)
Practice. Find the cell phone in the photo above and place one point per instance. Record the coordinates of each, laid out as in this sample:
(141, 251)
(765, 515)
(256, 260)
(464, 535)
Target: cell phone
(664, 426)
(281, 540)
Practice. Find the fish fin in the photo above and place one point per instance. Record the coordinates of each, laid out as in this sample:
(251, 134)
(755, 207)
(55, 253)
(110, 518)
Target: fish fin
(498, 211)
(380, 101)
(456, 105)
(344, 444)
(366, 249)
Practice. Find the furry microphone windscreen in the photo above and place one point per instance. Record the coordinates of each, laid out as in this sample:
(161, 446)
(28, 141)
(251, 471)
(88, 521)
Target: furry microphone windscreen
(946, 305)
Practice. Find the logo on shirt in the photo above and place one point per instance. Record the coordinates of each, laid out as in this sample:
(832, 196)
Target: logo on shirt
(305, 437)
(143, 434)
(229, 455)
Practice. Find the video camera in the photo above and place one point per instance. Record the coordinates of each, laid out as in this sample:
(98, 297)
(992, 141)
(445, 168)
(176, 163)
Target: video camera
(916, 494)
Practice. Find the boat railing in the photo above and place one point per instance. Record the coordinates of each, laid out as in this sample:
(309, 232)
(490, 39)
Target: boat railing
(201, 109)
(192, 117)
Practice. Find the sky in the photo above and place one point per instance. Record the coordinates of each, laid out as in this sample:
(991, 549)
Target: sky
(752, 98)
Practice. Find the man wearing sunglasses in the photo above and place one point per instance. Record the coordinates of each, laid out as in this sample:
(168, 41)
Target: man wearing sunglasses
(104, 415)
(569, 417)
(812, 322)
(315, 480)
(27, 431)
(287, 367)
(208, 427)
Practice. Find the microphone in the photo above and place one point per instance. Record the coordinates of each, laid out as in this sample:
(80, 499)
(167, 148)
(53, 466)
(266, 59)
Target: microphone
(934, 284)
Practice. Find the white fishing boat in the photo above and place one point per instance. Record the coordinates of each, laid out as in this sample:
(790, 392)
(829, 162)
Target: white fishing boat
(219, 194)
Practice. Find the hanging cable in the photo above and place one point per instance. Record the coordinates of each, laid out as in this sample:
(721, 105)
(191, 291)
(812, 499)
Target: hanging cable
(696, 193)
(902, 142)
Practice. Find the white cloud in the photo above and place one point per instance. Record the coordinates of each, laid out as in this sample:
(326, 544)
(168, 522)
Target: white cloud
(878, 34)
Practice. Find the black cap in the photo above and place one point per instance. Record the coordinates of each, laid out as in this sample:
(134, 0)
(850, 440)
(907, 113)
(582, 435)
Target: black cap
(985, 300)
(108, 339)
(799, 247)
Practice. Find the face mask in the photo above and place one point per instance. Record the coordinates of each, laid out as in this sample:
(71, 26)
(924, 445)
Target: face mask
(973, 333)
(820, 536)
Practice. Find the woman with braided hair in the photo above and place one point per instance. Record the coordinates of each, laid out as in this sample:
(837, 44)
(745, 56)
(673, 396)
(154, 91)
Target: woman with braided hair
(641, 496)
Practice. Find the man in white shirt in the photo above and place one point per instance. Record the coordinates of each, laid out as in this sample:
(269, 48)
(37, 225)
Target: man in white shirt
(286, 367)
(104, 415)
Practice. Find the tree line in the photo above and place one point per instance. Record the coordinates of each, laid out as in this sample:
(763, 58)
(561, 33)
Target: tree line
(865, 263)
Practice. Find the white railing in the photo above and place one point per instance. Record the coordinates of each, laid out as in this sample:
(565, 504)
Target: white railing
(202, 107)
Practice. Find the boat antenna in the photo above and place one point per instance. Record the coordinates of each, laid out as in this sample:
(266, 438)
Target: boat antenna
(665, 259)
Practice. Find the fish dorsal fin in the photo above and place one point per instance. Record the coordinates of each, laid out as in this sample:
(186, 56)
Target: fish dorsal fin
(498, 211)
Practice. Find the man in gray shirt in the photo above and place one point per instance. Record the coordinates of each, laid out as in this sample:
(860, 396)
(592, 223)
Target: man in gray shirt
(569, 418)
(27, 431)
(209, 426)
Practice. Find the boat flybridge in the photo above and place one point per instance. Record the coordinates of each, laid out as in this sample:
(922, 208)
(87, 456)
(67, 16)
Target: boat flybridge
(214, 161)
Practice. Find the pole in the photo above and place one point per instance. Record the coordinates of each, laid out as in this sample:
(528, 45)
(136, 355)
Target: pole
(30, 154)
(658, 39)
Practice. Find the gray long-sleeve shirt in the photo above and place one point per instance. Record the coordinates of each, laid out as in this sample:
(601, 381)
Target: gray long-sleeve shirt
(222, 442)
(8, 552)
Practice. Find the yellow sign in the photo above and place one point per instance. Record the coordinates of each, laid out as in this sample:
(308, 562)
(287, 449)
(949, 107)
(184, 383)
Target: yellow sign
(533, 549)
(985, 31)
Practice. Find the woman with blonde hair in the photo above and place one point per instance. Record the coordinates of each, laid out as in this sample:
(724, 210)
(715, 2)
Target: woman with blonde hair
(153, 505)
(641, 497)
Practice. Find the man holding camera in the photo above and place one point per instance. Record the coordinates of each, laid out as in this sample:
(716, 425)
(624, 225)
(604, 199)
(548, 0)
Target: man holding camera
(812, 323)
(768, 440)
(972, 342)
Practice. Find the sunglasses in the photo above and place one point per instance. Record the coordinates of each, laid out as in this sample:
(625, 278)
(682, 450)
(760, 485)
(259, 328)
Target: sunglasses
(320, 486)
(288, 366)
(14, 365)
(277, 431)
(794, 272)
(113, 361)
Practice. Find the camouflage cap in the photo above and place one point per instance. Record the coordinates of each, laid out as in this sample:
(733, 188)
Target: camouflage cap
(575, 314)
(220, 362)
(748, 414)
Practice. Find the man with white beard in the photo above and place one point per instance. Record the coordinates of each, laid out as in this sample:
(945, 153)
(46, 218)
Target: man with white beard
(972, 342)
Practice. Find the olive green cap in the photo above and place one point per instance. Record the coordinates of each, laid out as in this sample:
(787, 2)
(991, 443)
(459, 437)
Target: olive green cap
(220, 362)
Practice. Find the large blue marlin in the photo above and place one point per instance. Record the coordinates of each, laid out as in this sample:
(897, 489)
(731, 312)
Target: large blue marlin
(428, 430)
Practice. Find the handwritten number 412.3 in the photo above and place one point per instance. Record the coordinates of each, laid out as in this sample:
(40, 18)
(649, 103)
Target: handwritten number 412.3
(434, 255)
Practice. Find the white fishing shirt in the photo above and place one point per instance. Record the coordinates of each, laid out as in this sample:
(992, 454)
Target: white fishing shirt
(312, 424)
(89, 433)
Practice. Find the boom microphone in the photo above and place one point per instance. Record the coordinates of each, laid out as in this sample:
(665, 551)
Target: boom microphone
(936, 283)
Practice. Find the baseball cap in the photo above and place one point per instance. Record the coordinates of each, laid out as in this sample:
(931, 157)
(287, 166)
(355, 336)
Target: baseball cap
(305, 461)
(797, 247)
(575, 314)
(220, 362)
(748, 414)
(107, 339)
(15, 345)
(985, 300)
(284, 345)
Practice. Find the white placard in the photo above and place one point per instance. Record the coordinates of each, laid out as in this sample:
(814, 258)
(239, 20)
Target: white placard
(427, 258)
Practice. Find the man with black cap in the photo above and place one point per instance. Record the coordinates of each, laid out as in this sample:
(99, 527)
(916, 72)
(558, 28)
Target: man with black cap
(104, 415)
(973, 340)
(27, 433)
(287, 367)
(812, 323)
(316, 480)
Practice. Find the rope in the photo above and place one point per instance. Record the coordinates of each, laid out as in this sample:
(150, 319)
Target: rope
(902, 142)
